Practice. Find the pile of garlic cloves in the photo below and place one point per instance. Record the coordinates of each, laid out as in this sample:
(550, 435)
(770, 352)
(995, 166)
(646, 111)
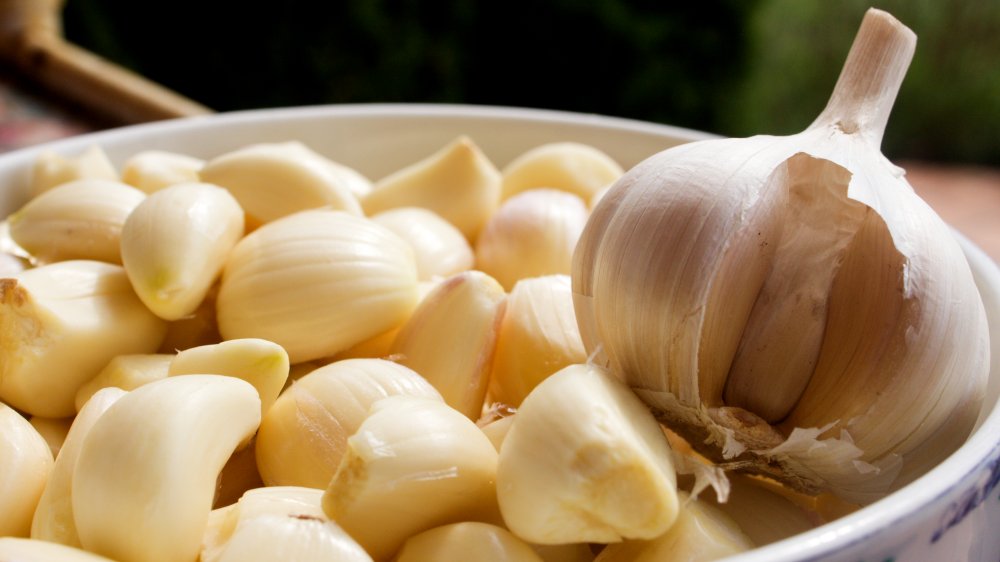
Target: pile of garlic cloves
(788, 304)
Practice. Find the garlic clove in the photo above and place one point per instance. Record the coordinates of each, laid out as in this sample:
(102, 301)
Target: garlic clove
(302, 438)
(273, 180)
(575, 552)
(60, 324)
(497, 430)
(31, 550)
(126, 372)
(239, 475)
(440, 248)
(458, 183)
(198, 328)
(469, 540)
(786, 309)
(585, 461)
(53, 518)
(380, 346)
(52, 169)
(573, 167)
(701, 533)
(317, 283)
(261, 363)
(451, 337)
(146, 473)
(81, 219)
(175, 243)
(538, 336)
(281, 522)
(27, 463)
(412, 465)
(153, 170)
(763, 515)
(532, 234)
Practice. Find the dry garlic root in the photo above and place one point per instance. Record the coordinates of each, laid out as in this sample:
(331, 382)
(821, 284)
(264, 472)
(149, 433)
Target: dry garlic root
(792, 305)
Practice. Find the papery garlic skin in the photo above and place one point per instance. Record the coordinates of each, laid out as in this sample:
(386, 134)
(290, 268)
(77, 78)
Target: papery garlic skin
(303, 437)
(175, 243)
(273, 180)
(53, 518)
(458, 182)
(538, 336)
(316, 283)
(577, 168)
(27, 463)
(60, 325)
(146, 472)
(877, 321)
(82, 219)
(53, 169)
(531, 234)
(585, 461)
(413, 464)
(153, 170)
(439, 248)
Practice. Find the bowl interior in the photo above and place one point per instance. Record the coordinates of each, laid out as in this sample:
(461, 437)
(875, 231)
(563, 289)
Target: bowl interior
(380, 139)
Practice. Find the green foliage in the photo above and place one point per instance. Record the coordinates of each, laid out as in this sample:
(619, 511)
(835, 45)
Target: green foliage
(948, 107)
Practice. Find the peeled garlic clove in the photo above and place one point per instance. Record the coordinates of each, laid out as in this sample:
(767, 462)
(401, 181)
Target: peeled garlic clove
(532, 234)
(316, 283)
(60, 324)
(538, 336)
(789, 302)
(53, 169)
(146, 473)
(31, 550)
(379, 346)
(262, 363)
(53, 430)
(175, 243)
(413, 464)
(763, 515)
(271, 181)
(153, 170)
(585, 461)
(497, 430)
(440, 248)
(469, 540)
(277, 523)
(701, 533)
(26, 465)
(577, 168)
(304, 435)
(126, 372)
(451, 337)
(53, 518)
(78, 220)
(458, 183)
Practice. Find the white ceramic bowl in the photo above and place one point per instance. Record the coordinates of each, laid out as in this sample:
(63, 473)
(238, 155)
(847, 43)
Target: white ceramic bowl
(950, 514)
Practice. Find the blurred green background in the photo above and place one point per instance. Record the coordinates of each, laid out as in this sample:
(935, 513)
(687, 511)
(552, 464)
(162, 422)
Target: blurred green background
(731, 67)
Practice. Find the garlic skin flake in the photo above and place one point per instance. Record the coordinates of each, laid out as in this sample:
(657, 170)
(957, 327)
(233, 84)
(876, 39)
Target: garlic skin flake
(792, 305)
(316, 283)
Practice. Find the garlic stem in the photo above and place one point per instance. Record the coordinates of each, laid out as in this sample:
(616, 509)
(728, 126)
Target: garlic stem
(864, 94)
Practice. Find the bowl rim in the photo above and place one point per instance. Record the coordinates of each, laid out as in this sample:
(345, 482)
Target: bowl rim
(953, 474)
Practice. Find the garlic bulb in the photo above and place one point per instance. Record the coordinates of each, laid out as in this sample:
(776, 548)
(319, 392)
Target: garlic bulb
(788, 303)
